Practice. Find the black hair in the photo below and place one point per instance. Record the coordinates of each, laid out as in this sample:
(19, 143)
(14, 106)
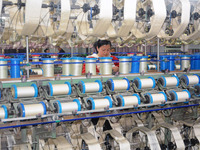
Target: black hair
(95, 45)
(103, 42)
(46, 50)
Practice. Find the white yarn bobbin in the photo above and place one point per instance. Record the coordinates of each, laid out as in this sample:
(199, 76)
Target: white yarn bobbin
(66, 66)
(35, 58)
(90, 86)
(27, 91)
(94, 104)
(63, 107)
(54, 56)
(39, 71)
(190, 79)
(185, 62)
(143, 64)
(118, 85)
(59, 89)
(161, 97)
(48, 67)
(152, 67)
(105, 65)
(31, 109)
(3, 112)
(90, 65)
(169, 81)
(128, 100)
(144, 83)
(3, 69)
(180, 96)
(124, 62)
(76, 66)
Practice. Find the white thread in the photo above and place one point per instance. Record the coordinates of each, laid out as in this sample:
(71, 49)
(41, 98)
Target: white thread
(192, 79)
(66, 67)
(151, 66)
(170, 81)
(185, 63)
(90, 66)
(178, 67)
(120, 85)
(60, 89)
(35, 58)
(48, 68)
(69, 107)
(33, 109)
(124, 65)
(130, 100)
(55, 56)
(145, 83)
(105, 66)
(23, 91)
(92, 87)
(158, 98)
(101, 103)
(143, 65)
(182, 95)
(76, 67)
(3, 69)
(2, 113)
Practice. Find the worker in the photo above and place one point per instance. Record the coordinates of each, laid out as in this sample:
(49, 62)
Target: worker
(103, 50)
(46, 55)
(60, 50)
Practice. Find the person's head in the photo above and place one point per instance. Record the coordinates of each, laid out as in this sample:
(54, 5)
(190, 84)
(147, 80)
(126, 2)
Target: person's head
(46, 50)
(112, 50)
(103, 48)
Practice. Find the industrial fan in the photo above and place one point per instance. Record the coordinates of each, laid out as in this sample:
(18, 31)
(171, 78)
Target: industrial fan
(150, 15)
(91, 18)
(193, 29)
(178, 15)
(124, 16)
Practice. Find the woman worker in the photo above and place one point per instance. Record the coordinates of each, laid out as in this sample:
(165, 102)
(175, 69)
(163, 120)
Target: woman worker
(103, 50)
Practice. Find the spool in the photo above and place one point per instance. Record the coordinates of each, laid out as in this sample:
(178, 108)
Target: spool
(143, 64)
(193, 62)
(15, 67)
(161, 97)
(190, 79)
(152, 67)
(197, 62)
(59, 89)
(31, 109)
(94, 104)
(48, 67)
(144, 83)
(124, 63)
(35, 58)
(2, 56)
(28, 91)
(169, 81)
(3, 69)
(90, 87)
(118, 85)
(135, 66)
(180, 96)
(76, 66)
(54, 56)
(185, 62)
(105, 65)
(124, 101)
(90, 65)
(3, 112)
(63, 107)
(39, 71)
(66, 66)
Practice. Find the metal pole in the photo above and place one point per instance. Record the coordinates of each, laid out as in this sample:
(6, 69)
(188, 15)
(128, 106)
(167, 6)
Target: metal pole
(158, 54)
(27, 55)
(145, 49)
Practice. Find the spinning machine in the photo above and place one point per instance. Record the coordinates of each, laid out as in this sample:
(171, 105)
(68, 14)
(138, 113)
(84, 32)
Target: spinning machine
(49, 104)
